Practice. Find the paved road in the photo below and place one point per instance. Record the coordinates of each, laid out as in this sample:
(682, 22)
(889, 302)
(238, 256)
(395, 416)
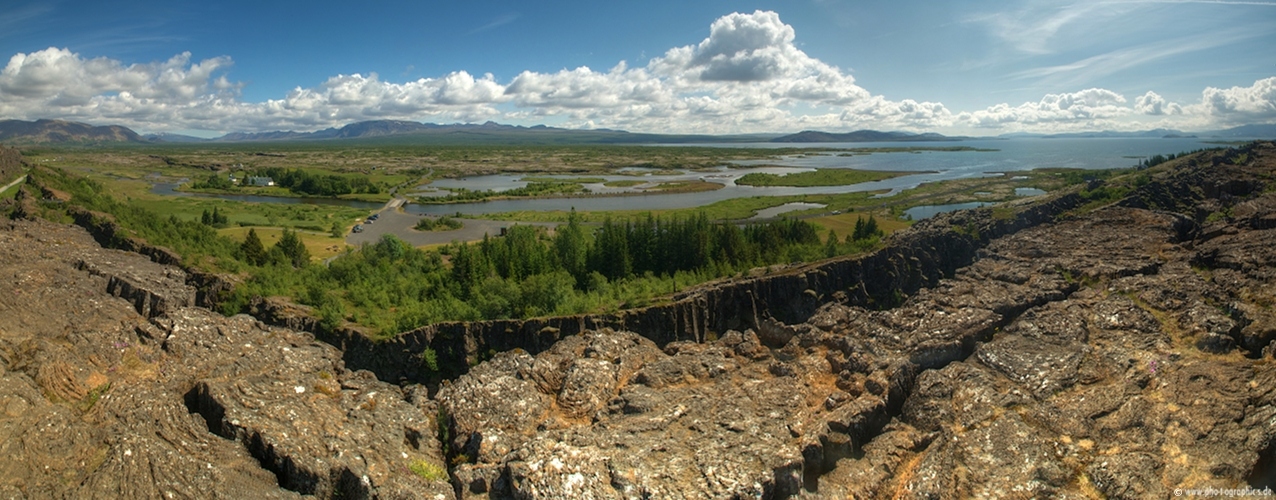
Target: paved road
(393, 221)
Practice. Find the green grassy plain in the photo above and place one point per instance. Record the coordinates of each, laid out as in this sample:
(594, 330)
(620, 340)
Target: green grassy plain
(320, 245)
(818, 177)
(844, 224)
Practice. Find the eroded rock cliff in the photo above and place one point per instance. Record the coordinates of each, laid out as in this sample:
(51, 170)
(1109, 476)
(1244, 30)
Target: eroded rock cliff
(1118, 353)
(1050, 349)
(114, 386)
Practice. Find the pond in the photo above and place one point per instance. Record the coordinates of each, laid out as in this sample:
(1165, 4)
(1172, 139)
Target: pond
(928, 211)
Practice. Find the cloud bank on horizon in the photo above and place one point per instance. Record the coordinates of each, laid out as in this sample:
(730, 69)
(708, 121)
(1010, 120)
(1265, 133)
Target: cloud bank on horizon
(748, 75)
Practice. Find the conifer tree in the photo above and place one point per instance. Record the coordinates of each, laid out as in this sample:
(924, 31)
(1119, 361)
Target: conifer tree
(570, 247)
(252, 248)
(870, 228)
(293, 249)
(218, 218)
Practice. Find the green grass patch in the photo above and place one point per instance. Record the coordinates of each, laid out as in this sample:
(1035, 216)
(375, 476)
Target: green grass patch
(578, 180)
(443, 223)
(368, 197)
(685, 187)
(304, 217)
(531, 190)
(320, 245)
(1001, 212)
(731, 209)
(819, 177)
(11, 191)
(844, 224)
(428, 470)
(666, 171)
(623, 184)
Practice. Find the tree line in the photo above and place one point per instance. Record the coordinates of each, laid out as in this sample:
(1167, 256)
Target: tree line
(303, 182)
(617, 250)
(390, 286)
(298, 181)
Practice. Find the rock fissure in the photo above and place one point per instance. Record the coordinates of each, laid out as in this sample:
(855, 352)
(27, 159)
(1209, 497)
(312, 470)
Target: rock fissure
(1097, 353)
(1071, 358)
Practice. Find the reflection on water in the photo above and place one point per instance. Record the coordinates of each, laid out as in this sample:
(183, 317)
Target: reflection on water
(1012, 155)
(768, 213)
(928, 211)
(504, 182)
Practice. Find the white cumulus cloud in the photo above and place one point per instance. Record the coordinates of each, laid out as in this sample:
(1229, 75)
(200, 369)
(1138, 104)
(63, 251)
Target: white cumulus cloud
(747, 48)
(748, 75)
(1153, 104)
(1253, 104)
(61, 78)
(1088, 107)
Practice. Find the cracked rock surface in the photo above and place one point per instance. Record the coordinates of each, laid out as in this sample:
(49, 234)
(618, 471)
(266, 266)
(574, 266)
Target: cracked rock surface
(1120, 353)
(114, 387)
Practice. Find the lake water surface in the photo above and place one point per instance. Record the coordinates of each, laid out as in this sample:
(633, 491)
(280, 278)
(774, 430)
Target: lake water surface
(1012, 155)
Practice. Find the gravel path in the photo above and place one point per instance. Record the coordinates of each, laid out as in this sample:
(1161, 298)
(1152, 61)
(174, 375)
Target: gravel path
(14, 183)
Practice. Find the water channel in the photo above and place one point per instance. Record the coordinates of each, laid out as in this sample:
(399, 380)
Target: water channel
(1010, 155)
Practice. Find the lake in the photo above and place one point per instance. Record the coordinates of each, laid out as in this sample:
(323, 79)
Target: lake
(1012, 155)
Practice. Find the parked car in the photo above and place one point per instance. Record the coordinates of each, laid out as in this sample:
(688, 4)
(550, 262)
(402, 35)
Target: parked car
(358, 228)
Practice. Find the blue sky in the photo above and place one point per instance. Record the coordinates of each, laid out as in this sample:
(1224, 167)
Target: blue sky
(966, 67)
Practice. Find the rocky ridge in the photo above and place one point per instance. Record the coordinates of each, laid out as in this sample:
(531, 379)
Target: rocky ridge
(115, 386)
(1121, 352)
(917, 258)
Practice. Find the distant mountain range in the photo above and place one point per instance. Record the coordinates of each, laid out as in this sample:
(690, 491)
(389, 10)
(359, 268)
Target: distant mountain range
(1243, 131)
(1265, 131)
(391, 132)
(406, 132)
(864, 136)
(55, 131)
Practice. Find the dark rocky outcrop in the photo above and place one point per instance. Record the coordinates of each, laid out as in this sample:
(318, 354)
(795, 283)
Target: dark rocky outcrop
(1042, 350)
(1109, 354)
(912, 260)
(115, 386)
